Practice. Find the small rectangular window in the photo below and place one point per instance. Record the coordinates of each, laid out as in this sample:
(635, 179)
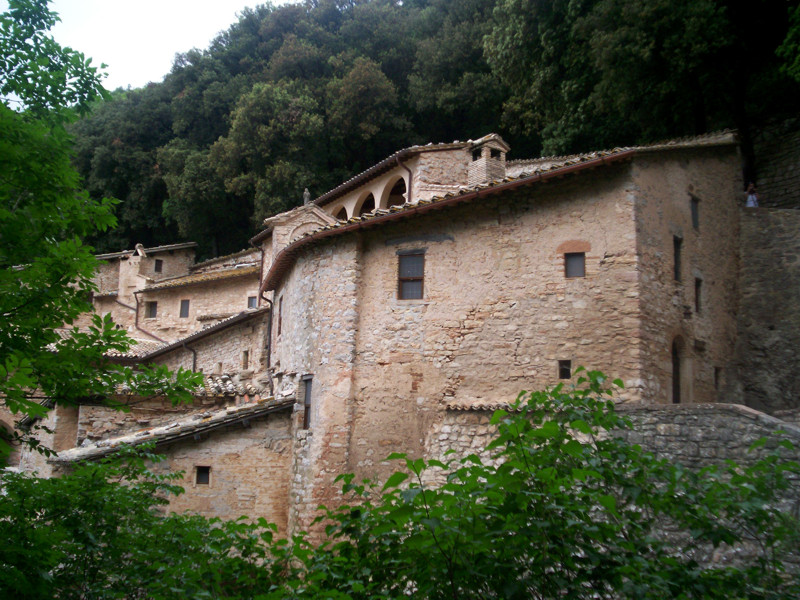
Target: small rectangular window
(677, 242)
(717, 377)
(575, 264)
(695, 204)
(698, 294)
(202, 475)
(564, 369)
(158, 267)
(411, 272)
(151, 309)
(245, 359)
(476, 154)
(252, 302)
(184, 309)
(495, 153)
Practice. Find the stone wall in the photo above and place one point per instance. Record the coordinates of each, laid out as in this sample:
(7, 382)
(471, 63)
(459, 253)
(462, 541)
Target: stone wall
(769, 310)
(249, 471)
(209, 303)
(702, 325)
(777, 150)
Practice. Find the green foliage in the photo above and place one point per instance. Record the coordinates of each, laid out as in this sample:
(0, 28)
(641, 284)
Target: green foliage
(557, 506)
(564, 508)
(100, 532)
(45, 268)
(790, 48)
(35, 71)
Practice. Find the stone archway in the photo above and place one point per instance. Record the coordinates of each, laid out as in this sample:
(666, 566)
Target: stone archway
(367, 205)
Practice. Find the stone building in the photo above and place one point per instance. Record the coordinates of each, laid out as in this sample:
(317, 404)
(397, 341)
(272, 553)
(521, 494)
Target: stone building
(394, 312)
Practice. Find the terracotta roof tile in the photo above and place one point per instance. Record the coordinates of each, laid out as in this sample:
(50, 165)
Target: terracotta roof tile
(197, 278)
(175, 431)
(552, 168)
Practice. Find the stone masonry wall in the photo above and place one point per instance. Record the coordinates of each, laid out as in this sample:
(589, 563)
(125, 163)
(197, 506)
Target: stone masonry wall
(249, 471)
(769, 310)
(704, 325)
(315, 319)
(777, 150)
(209, 303)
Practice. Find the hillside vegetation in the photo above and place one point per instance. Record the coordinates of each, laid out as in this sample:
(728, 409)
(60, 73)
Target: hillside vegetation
(306, 95)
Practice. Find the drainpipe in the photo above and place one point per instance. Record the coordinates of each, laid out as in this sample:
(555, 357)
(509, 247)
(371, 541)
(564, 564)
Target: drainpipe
(194, 355)
(410, 178)
(136, 324)
(269, 343)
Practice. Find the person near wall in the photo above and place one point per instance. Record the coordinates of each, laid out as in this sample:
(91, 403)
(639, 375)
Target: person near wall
(752, 196)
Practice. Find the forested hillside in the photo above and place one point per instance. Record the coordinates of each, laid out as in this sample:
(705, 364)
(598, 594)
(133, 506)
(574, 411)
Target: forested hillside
(306, 95)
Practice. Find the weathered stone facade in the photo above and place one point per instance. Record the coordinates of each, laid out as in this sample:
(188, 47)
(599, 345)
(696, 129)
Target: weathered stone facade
(638, 262)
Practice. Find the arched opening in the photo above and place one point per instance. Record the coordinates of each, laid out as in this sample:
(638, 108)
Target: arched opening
(368, 205)
(397, 194)
(342, 214)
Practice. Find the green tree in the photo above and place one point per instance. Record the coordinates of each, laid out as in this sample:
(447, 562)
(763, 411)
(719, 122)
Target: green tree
(101, 532)
(45, 268)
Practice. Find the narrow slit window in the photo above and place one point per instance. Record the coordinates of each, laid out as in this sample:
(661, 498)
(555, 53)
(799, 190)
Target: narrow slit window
(151, 310)
(575, 264)
(202, 475)
(677, 243)
(280, 314)
(307, 402)
(184, 309)
(245, 359)
(411, 273)
(695, 206)
(564, 369)
(698, 294)
(158, 267)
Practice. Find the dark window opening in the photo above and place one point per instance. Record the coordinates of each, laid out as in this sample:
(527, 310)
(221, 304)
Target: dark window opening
(575, 264)
(159, 265)
(411, 272)
(245, 359)
(397, 194)
(717, 377)
(695, 204)
(150, 310)
(676, 373)
(367, 206)
(476, 154)
(184, 309)
(307, 379)
(202, 475)
(495, 153)
(564, 369)
(280, 314)
(698, 294)
(677, 242)
(252, 302)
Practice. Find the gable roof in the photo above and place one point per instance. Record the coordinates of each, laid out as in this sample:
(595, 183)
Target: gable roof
(392, 161)
(153, 250)
(555, 169)
(176, 431)
(204, 277)
(161, 349)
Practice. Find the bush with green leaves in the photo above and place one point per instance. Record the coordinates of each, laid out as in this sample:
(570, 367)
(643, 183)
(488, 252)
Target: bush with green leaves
(559, 505)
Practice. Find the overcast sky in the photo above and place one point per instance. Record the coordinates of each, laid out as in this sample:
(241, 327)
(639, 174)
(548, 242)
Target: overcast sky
(138, 39)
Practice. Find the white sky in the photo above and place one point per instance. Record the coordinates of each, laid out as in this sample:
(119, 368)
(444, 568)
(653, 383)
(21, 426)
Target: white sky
(138, 39)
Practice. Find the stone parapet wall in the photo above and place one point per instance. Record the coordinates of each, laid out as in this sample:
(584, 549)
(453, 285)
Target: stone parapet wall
(777, 150)
(769, 310)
